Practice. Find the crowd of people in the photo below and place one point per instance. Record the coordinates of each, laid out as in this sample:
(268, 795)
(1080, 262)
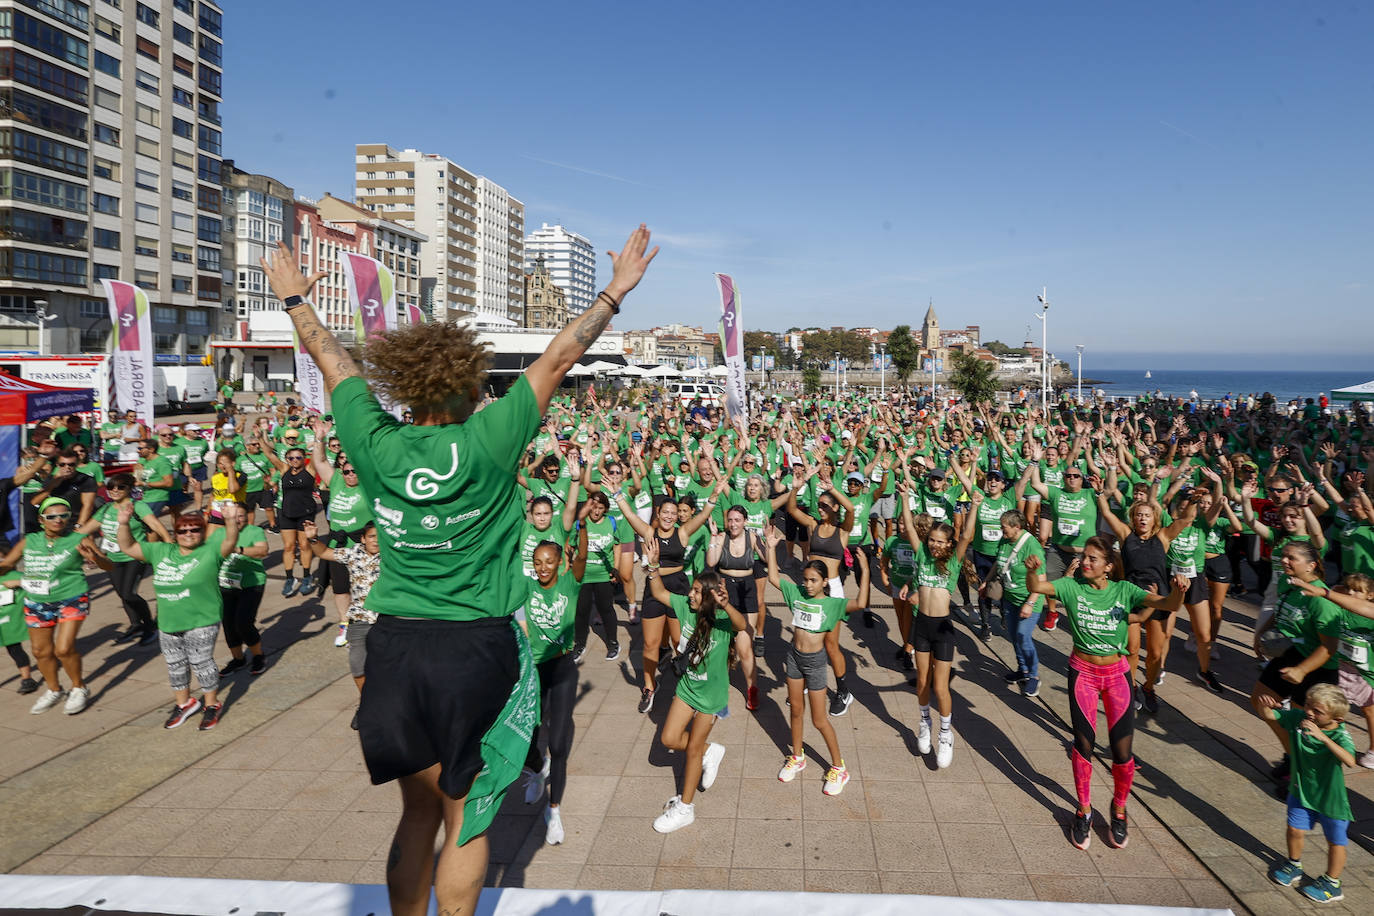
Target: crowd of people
(502, 531)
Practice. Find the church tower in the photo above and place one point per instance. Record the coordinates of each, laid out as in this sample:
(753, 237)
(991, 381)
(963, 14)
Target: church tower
(930, 330)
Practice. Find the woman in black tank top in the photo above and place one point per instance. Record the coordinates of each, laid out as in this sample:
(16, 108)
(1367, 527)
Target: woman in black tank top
(734, 554)
(297, 488)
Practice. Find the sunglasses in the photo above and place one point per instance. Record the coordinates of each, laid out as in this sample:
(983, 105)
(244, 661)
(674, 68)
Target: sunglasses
(66, 464)
(188, 531)
(56, 516)
(348, 471)
(1279, 489)
(295, 458)
(117, 486)
(1066, 476)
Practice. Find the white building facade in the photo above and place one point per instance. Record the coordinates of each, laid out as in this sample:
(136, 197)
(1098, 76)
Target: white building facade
(571, 262)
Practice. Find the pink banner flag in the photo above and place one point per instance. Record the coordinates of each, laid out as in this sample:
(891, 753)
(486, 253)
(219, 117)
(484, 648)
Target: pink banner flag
(131, 348)
(372, 292)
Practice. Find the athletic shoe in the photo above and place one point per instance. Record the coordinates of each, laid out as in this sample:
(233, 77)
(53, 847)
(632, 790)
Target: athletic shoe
(354, 724)
(534, 782)
(676, 815)
(1282, 770)
(1138, 697)
(289, 588)
(1117, 834)
(1159, 681)
(28, 685)
(836, 778)
(259, 665)
(923, 737)
(1286, 873)
(984, 630)
(909, 660)
(322, 587)
(1031, 688)
(1190, 644)
(1365, 760)
(1151, 700)
(870, 619)
(235, 664)
(1210, 679)
(1049, 621)
(1015, 677)
(579, 653)
(149, 637)
(790, 768)
(48, 700)
(646, 700)
(839, 702)
(553, 827)
(1322, 890)
(710, 764)
(944, 751)
(633, 614)
(77, 700)
(1081, 832)
(210, 717)
(613, 652)
(307, 585)
(751, 699)
(341, 639)
(132, 633)
(758, 647)
(181, 713)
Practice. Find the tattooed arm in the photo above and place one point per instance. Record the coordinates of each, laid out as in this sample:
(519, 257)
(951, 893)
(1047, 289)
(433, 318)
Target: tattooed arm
(287, 280)
(547, 371)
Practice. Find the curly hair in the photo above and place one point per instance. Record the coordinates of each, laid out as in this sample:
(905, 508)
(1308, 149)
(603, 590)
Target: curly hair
(429, 367)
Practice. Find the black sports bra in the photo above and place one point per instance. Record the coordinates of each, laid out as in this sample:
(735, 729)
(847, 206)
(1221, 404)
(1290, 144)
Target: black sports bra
(740, 563)
(670, 549)
(829, 547)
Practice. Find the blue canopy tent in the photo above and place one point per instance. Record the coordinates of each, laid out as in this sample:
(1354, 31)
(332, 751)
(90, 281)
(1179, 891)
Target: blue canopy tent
(23, 402)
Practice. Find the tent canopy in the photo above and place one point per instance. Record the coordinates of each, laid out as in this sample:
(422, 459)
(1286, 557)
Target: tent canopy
(22, 401)
(1362, 392)
(602, 365)
(662, 372)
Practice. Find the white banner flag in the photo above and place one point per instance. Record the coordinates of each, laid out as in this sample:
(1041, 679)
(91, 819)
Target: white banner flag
(732, 345)
(131, 348)
(309, 379)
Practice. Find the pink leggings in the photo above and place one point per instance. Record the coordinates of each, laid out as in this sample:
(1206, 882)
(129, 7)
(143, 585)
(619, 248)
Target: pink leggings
(1088, 682)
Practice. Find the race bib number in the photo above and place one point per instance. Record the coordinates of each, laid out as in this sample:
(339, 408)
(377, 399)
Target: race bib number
(6, 598)
(807, 620)
(936, 511)
(109, 545)
(992, 532)
(1358, 654)
(36, 586)
(231, 580)
(1068, 526)
(1188, 572)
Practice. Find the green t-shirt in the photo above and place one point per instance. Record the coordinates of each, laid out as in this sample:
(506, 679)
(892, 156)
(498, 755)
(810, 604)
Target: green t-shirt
(94, 470)
(1187, 551)
(863, 505)
(175, 454)
(13, 629)
(53, 570)
(194, 448)
(108, 516)
(1011, 567)
(348, 508)
(549, 614)
(156, 468)
(601, 549)
(901, 560)
(186, 585)
(1305, 619)
(928, 574)
(531, 537)
(239, 571)
(1075, 516)
(82, 436)
(256, 470)
(448, 508)
(1356, 644)
(1356, 539)
(1318, 778)
(988, 535)
(1098, 617)
(815, 615)
(705, 686)
(939, 506)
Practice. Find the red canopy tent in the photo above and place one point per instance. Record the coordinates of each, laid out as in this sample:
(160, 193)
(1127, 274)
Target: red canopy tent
(22, 401)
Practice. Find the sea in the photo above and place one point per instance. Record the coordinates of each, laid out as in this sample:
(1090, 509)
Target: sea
(1212, 384)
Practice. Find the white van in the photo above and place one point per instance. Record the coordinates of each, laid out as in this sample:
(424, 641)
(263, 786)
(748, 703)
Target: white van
(189, 387)
(711, 395)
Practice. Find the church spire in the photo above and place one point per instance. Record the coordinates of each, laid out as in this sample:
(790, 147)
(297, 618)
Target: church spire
(931, 320)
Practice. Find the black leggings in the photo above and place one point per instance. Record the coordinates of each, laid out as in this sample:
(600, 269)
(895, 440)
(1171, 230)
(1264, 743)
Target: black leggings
(338, 572)
(240, 616)
(125, 578)
(1246, 547)
(558, 693)
(600, 594)
(21, 658)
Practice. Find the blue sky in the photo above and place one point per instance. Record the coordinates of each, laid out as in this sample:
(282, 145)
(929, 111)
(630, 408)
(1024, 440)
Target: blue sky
(1185, 178)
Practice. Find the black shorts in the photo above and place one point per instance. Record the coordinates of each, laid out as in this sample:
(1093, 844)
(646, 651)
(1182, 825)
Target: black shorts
(293, 522)
(261, 499)
(1271, 678)
(652, 608)
(934, 635)
(744, 593)
(1197, 591)
(433, 689)
(1217, 569)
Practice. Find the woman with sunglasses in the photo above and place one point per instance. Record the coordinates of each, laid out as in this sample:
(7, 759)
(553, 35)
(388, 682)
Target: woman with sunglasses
(56, 600)
(258, 475)
(241, 583)
(92, 469)
(348, 513)
(297, 506)
(227, 486)
(189, 605)
(127, 571)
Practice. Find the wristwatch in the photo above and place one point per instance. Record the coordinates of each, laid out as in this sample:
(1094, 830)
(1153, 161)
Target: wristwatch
(291, 302)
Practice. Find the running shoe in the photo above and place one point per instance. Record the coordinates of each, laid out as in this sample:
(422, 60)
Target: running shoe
(984, 629)
(1159, 681)
(1138, 697)
(181, 713)
(908, 660)
(1210, 679)
(839, 702)
(307, 585)
(553, 827)
(613, 652)
(534, 782)
(633, 612)
(27, 686)
(341, 639)
(1365, 760)
(1081, 831)
(646, 700)
(1031, 688)
(790, 768)
(48, 700)
(259, 665)
(579, 653)
(210, 717)
(710, 764)
(923, 737)
(1151, 700)
(234, 664)
(836, 778)
(751, 699)
(132, 633)
(289, 588)
(149, 636)
(1282, 770)
(77, 700)
(1117, 833)
(758, 647)
(1049, 621)
(1015, 677)
(944, 750)
(1286, 873)
(1323, 890)
(676, 815)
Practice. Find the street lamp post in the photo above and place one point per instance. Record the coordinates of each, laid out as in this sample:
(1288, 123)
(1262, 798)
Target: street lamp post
(1044, 317)
(1079, 348)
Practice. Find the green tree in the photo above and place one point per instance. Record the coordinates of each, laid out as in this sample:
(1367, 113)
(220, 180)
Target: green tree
(811, 379)
(906, 356)
(997, 348)
(973, 377)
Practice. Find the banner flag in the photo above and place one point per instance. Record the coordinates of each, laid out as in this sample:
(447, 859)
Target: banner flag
(372, 293)
(732, 345)
(131, 348)
(413, 312)
(309, 379)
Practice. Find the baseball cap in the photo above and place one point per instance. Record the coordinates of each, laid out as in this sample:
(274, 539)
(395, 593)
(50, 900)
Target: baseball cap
(997, 475)
(192, 427)
(229, 427)
(163, 428)
(854, 477)
(938, 473)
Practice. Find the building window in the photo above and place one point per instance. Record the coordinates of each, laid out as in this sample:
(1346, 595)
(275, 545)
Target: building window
(208, 288)
(149, 49)
(107, 28)
(183, 97)
(25, 68)
(186, 6)
(209, 170)
(51, 154)
(182, 254)
(49, 192)
(21, 225)
(105, 203)
(94, 308)
(147, 114)
(105, 238)
(164, 343)
(181, 284)
(145, 246)
(197, 320)
(183, 159)
(72, 12)
(210, 80)
(211, 140)
(165, 315)
(182, 65)
(181, 190)
(149, 16)
(211, 51)
(208, 110)
(209, 198)
(145, 213)
(105, 133)
(105, 271)
(184, 35)
(106, 99)
(38, 34)
(94, 339)
(146, 80)
(183, 129)
(145, 147)
(145, 279)
(145, 179)
(106, 64)
(184, 222)
(208, 229)
(211, 21)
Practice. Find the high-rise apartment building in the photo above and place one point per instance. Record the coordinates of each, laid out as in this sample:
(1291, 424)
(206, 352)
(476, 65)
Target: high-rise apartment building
(571, 262)
(473, 261)
(258, 212)
(110, 166)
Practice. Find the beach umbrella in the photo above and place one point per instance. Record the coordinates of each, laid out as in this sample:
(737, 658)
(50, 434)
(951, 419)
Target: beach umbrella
(602, 365)
(1361, 392)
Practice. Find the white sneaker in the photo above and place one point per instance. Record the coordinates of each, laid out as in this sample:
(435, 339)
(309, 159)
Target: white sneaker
(675, 816)
(342, 639)
(1159, 681)
(77, 700)
(553, 834)
(534, 783)
(710, 764)
(47, 700)
(944, 755)
(923, 737)
(790, 768)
